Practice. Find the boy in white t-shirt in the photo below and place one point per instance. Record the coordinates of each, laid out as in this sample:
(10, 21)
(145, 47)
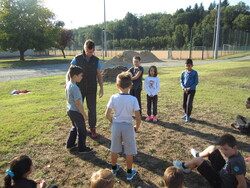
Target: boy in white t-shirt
(123, 130)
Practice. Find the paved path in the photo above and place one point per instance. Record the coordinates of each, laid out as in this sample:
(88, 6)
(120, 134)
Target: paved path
(19, 73)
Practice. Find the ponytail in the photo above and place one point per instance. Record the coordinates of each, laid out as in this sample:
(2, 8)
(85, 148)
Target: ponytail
(7, 181)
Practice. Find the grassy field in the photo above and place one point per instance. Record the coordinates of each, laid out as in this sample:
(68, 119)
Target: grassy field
(36, 124)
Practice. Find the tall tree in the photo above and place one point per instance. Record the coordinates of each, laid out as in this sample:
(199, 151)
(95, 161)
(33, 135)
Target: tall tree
(65, 39)
(25, 24)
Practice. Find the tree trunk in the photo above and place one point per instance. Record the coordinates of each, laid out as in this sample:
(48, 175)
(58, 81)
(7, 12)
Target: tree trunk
(21, 55)
(63, 53)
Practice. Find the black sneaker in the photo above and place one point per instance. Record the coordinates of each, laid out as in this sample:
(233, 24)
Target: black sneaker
(86, 150)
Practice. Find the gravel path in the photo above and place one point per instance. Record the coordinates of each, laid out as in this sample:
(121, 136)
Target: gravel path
(19, 73)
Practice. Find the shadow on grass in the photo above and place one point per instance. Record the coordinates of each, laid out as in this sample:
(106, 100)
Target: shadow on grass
(205, 136)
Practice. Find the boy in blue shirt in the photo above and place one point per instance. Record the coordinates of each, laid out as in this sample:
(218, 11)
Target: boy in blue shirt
(189, 81)
(123, 130)
(75, 111)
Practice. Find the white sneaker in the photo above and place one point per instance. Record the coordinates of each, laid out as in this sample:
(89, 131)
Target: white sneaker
(178, 164)
(194, 152)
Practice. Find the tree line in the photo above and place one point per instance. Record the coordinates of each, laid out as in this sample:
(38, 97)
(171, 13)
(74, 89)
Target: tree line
(28, 24)
(193, 26)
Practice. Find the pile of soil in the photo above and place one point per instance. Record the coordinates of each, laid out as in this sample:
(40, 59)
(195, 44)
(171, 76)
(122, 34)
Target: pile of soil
(127, 56)
(109, 74)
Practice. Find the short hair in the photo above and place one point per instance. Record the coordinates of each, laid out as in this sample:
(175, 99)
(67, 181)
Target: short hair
(153, 67)
(89, 44)
(124, 80)
(189, 61)
(248, 99)
(137, 58)
(173, 177)
(74, 70)
(227, 139)
(103, 178)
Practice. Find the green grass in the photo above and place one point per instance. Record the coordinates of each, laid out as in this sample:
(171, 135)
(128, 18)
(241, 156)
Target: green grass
(36, 124)
(230, 56)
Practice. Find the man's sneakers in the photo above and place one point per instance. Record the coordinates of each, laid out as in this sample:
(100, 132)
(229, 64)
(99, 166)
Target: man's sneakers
(116, 170)
(86, 150)
(148, 118)
(131, 175)
(93, 132)
(194, 152)
(178, 164)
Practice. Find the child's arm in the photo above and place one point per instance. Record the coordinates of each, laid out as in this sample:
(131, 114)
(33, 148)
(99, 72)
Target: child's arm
(138, 74)
(108, 114)
(80, 108)
(241, 181)
(138, 120)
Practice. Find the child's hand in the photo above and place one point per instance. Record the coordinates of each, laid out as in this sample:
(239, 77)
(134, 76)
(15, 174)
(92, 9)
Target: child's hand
(247, 159)
(135, 128)
(42, 183)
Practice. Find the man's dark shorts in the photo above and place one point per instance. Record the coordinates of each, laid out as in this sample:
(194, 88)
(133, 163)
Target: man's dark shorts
(210, 169)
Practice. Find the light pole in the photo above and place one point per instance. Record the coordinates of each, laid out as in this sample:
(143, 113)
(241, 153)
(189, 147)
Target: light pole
(105, 29)
(217, 34)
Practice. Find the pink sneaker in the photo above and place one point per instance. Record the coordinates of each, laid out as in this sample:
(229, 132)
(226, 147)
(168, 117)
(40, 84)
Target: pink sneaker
(155, 119)
(148, 118)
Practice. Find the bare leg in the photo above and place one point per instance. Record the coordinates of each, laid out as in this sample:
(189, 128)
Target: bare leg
(207, 151)
(129, 161)
(194, 163)
(114, 157)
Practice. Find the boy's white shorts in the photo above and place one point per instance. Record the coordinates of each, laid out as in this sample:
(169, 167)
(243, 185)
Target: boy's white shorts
(123, 133)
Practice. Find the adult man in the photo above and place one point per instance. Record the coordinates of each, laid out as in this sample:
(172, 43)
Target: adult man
(91, 75)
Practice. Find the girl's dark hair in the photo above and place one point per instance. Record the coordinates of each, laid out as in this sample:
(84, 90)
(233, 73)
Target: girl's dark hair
(19, 166)
(189, 61)
(153, 67)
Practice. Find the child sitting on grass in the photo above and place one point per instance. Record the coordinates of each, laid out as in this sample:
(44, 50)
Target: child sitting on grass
(173, 177)
(123, 130)
(219, 172)
(103, 178)
(20, 169)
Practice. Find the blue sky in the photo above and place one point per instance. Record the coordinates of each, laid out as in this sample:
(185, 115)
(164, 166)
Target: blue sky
(76, 13)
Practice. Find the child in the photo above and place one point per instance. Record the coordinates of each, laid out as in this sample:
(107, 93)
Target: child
(76, 112)
(137, 72)
(122, 130)
(152, 86)
(220, 173)
(189, 81)
(20, 169)
(242, 123)
(103, 178)
(173, 177)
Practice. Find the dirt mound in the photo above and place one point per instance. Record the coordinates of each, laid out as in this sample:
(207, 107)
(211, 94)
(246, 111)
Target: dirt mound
(127, 56)
(109, 74)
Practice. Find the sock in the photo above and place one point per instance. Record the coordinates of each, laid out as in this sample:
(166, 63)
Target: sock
(183, 165)
(114, 167)
(129, 171)
(198, 154)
